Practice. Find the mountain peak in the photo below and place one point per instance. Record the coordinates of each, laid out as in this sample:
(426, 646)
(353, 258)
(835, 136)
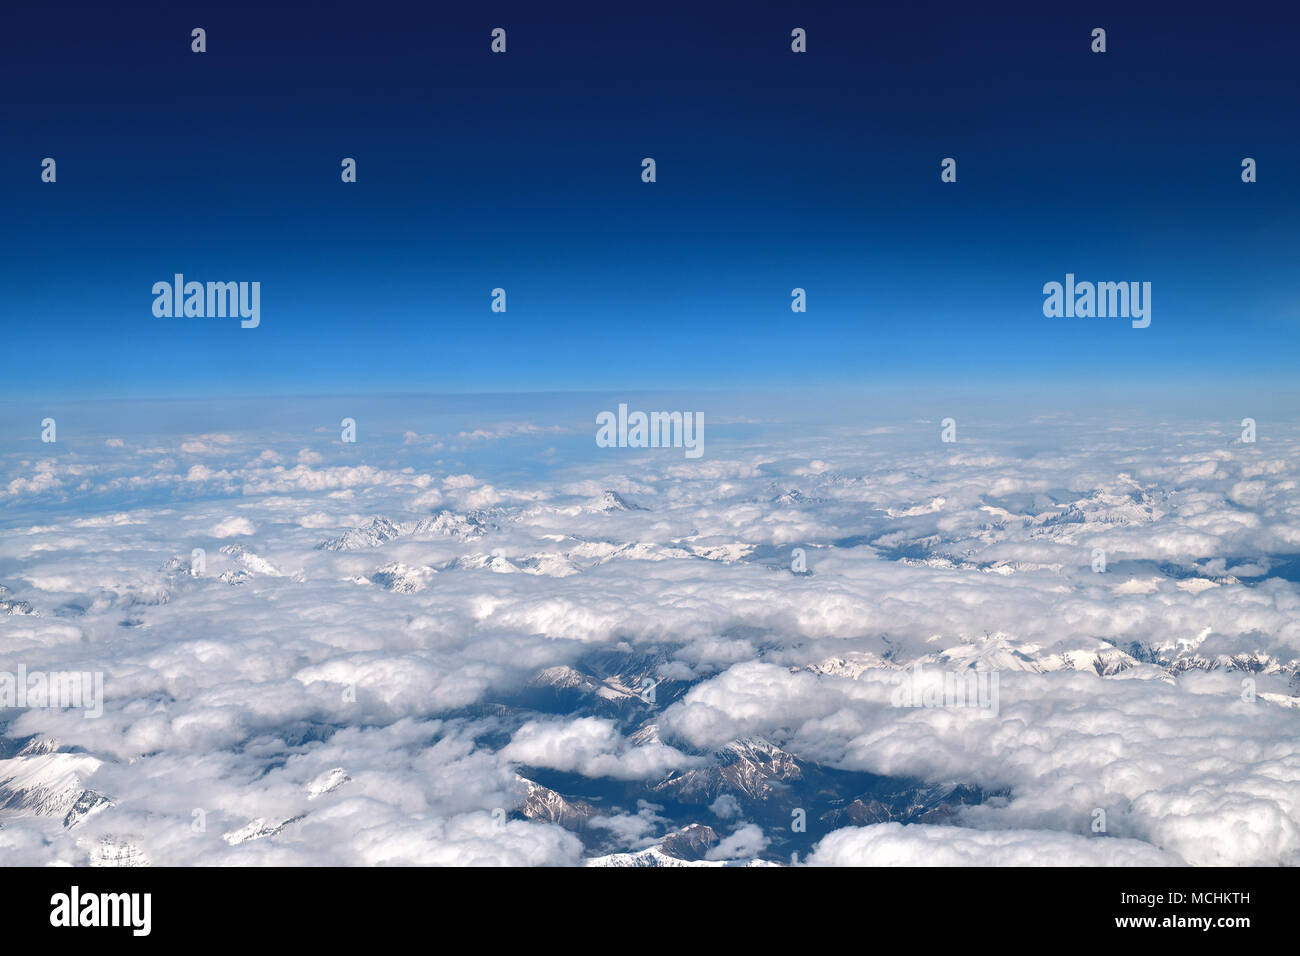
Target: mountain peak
(611, 501)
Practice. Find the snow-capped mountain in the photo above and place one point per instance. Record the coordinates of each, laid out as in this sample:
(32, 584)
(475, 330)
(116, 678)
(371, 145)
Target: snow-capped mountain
(380, 530)
(612, 501)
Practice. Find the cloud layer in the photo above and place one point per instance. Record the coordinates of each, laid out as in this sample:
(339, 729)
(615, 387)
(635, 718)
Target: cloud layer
(316, 652)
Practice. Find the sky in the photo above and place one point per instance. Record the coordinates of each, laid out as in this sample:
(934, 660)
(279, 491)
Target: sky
(522, 171)
(373, 652)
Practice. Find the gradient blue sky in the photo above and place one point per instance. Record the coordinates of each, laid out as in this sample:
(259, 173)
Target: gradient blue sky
(522, 171)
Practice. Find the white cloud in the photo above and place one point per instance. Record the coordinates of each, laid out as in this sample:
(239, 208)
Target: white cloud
(747, 841)
(236, 688)
(892, 844)
(592, 747)
(233, 527)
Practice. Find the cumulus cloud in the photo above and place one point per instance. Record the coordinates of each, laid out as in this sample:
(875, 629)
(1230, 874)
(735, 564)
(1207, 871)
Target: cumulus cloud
(233, 527)
(592, 747)
(747, 841)
(892, 844)
(432, 628)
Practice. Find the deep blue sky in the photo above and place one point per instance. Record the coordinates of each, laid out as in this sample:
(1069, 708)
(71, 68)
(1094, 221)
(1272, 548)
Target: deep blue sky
(522, 171)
